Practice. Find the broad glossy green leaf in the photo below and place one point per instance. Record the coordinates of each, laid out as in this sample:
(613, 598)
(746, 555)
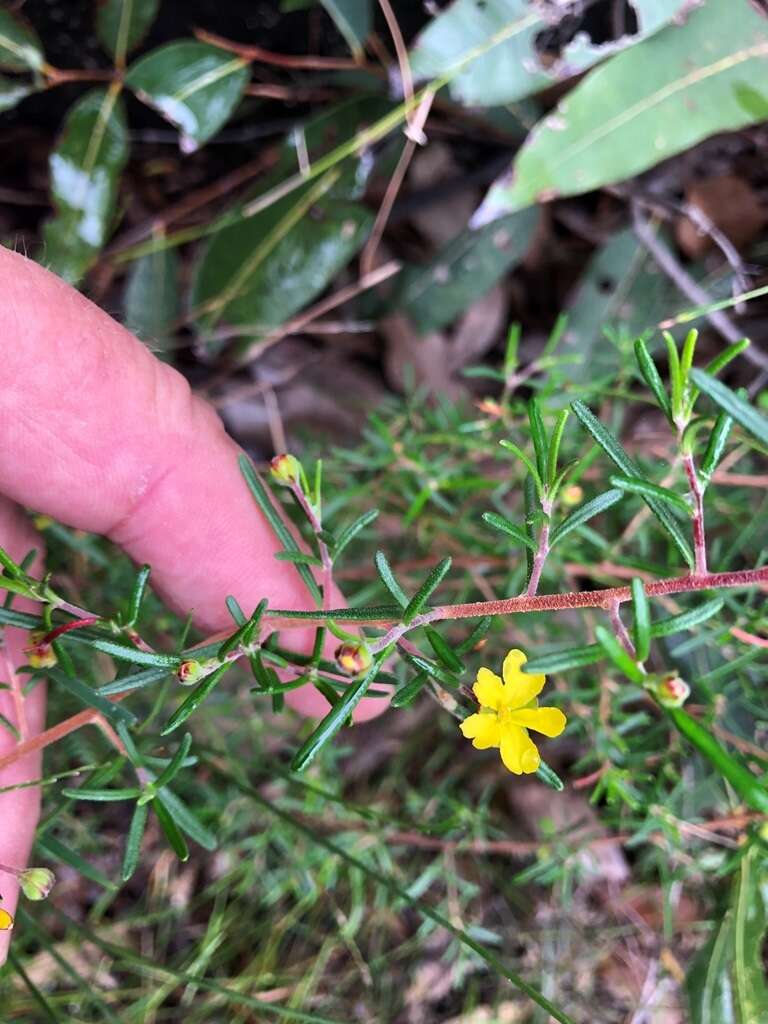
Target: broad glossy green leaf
(20, 49)
(726, 983)
(354, 19)
(438, 291)
(745, 414)
(494, 44)
(151, 300)
(13, 91)
(193, 85)
(622, 119)
(85, 170)
(122, 24)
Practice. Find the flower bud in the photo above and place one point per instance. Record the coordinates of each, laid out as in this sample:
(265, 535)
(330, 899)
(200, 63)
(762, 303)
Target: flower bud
(672, 691)
(572, 495)
(286, 470)
(190, 672)
(40, 654)
(36, 883)
(354, 658)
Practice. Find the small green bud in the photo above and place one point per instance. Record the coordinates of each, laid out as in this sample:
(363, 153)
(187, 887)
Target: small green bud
(40, 654)
(286, 470)
(36, 883)
(191, 672)
(354, 658)
(672, 691)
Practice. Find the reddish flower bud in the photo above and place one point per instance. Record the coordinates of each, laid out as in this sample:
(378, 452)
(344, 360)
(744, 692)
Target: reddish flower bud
(672, 691)
(40, 654)
(354, 658)
(286, 470)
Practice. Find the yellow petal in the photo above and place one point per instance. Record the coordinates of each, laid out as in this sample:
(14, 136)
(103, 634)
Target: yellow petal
(483, 730)
(518, 751)
(489, 689)
(550, 721)
(519, 689)
(6, 921)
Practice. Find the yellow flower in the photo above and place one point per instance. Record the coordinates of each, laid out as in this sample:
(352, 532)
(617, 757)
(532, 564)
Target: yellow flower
(508, 710)
(6, 921)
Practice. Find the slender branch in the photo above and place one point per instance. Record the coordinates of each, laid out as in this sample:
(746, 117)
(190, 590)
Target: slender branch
(620, 629)
(697, 493)
(325, 556)
(281, 60)
(541, 602)
(541, 553)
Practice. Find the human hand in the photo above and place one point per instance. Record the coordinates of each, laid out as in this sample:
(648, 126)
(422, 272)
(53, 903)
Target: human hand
(99, 434)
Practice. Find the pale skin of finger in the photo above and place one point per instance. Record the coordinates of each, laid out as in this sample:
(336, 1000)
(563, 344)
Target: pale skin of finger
(20, 808)
(104, 437)
(99, 434)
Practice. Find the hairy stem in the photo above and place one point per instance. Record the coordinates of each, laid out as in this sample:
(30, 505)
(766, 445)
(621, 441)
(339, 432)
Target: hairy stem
(541, 554)
(620, 629)
(697, 494)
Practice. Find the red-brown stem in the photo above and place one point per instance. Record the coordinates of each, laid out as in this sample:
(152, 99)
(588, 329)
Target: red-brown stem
(325, 555)
(538, 560)
(554, 602)
(67, 627)
(699, 539)
(620, 629)
(281, 60)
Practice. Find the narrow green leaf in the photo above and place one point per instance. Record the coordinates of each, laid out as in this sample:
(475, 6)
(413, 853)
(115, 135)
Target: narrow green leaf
(616, 453)
(12, 568)
(274, 519)
(176, 763)
(103, 795)
(334, 720)
(686, 620)
(619, 656)
(234, 609)
(54, 850)
(554, 448)
(133, 841)
(350, 532)
(113, 713)
(185, 819)
(539, 437)
(652, 378)
(443, 651)
(137, 595)
(641, 627)
(520, 454)
(376, 613)
(431, 668)
(125, 652)
(715, 446)
(508, 527)
(549, 777)
(388, 579)
(195, 699)
(646, 489)
(407, 694)
(729, 353)
(425, 591)
(584, 513)
(475, 637)
(298, 557)
(744, 414)
(726, 983)
(532, 507)
(565, 658)
(133, 681)
(749, 787)
(46, 1010)
(171, 831)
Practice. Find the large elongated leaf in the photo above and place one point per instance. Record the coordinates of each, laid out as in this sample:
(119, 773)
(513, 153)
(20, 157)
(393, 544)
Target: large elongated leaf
(85, 170)
(726, 984)
(121, 24)
(708, 76)
(505, 33)
(353, 19)
(193, 85)
(20, 49)
(152, 296)
(262, 269)
(470, 265)
(13, 91)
